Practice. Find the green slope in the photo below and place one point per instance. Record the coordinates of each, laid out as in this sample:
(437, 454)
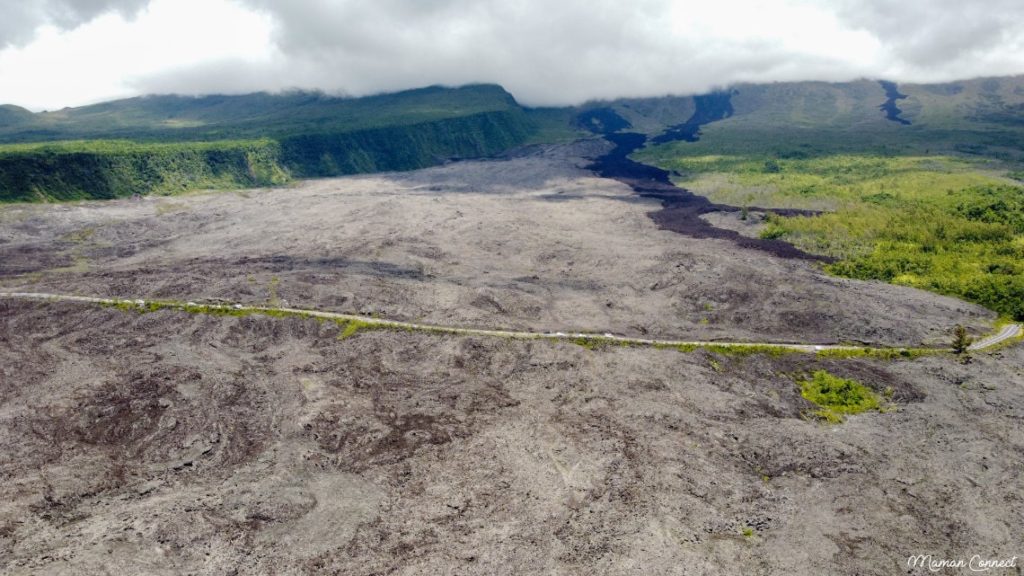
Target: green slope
(110, 169)
(97, 169)
(937, 204)
(167, 144)
(13, 116)
(303, 134)
(980, 117)
(177, 118)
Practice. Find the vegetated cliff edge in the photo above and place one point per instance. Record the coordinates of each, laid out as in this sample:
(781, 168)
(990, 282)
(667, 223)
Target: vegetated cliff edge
(97, 170)
(426, 128)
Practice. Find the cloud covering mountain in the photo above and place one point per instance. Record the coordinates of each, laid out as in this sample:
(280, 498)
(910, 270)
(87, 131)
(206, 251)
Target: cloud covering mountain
(547, 52)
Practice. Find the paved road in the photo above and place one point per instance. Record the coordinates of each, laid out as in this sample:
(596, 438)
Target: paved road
(1007, 332)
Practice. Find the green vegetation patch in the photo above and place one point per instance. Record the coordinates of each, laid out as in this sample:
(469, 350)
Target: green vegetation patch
(823, 181)
(837, 397)
(111, 169)
(103, 169)
(350, 328)
(878, 353)
(750, 350)
(167, 145)
(598, 342)
(944, 224)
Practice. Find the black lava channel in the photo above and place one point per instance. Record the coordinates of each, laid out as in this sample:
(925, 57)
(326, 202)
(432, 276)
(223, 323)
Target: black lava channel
(708, 108)
(681, 209)
(892, 112)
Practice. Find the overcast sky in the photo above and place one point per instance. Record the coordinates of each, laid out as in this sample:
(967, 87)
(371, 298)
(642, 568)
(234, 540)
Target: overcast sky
(56, 53)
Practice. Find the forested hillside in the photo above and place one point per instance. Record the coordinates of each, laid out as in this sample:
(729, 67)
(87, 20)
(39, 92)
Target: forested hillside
(170, 144)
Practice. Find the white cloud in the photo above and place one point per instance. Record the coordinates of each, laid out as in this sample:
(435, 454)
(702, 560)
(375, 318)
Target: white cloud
(103, 58)
(22, 18)
(544, 51)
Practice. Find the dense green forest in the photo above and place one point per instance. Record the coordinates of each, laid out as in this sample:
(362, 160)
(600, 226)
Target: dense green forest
(111, 169)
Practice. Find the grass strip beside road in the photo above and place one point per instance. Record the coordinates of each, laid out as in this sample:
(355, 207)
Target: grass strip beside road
(352, 323)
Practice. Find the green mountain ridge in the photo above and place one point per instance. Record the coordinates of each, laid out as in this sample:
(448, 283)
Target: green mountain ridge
(217, 117)
(992, 103)
(169, 144)
(930, 196)
(983, 116)
(266, 139)
(11, 115)
(917, 184)
(81, 170)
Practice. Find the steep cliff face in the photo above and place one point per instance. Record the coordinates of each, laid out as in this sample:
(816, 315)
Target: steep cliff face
(258, 140)
(404, 147)
(109, 170)
(94, 171)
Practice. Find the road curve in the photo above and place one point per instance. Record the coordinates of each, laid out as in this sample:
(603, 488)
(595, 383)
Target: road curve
(1006, 333)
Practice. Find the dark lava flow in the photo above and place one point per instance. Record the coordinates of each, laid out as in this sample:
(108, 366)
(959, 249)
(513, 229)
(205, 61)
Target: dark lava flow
(892, 112)
(602, 121)
(709, 108)
(680, 209)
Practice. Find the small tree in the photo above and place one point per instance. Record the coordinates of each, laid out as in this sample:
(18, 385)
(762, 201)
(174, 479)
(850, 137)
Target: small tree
(961, 341)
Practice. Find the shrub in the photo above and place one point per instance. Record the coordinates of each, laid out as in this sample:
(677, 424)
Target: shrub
(837, 397)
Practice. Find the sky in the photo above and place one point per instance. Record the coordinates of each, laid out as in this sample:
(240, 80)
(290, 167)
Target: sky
(57, 53)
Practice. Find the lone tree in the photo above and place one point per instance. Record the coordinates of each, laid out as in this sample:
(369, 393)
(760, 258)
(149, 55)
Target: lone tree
(961, 341)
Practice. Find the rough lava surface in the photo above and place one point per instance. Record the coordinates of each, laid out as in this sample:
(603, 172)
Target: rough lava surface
(171, 443)
(531, 242)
